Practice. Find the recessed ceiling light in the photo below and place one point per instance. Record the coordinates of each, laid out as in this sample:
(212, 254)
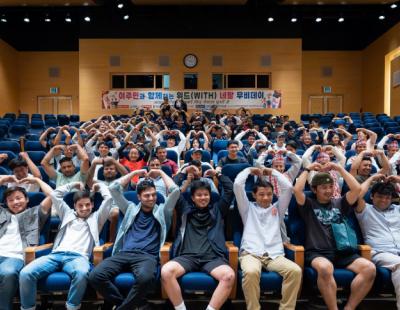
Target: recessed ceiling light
(393, 6)
(47, 19)
(26, 19)
(270, 19)
(293, 20)
(381, 17)
(318, 19)
(85, 3)
(3, 19)
(340, 20)
(120, 5)
(87, 19)
(126, 17)
(68, 19)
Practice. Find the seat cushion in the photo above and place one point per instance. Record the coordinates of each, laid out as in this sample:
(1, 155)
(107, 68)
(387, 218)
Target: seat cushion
(383, 281)
(56, 281)
(197, 282)
(343, 277)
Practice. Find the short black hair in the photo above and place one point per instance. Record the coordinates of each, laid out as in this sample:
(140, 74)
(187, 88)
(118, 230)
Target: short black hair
(83, 194)
(143, 185)
(65, 159)
(292, 143)
(366, 158)
(230, 142)
(196, 163)
(384, 188)
(12, 190)
(159, 148)
(17, 162)
(198, 184)
(261, 182)
(103, 143)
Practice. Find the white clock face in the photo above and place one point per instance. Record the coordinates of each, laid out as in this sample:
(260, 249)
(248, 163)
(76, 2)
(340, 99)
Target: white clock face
(190, 61)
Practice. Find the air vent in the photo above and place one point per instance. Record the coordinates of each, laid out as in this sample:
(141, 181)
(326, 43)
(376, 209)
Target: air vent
(326, 71)
(265, 60)
(217, 61)
(54, 72)
(163, 61)
(115, 61)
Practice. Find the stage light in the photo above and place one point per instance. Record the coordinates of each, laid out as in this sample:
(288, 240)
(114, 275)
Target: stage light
(87, 19)
(318, 19)
(340, 20)
(293, 20)
(270, 19)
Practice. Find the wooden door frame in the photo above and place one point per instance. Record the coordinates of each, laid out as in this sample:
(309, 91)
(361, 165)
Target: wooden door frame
(325, 102)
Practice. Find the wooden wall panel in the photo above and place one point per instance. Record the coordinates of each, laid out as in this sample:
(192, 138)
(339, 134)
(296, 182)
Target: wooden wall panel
(346, 76)
(374, 69)
(8, 79)
(34, 77)
(395, 91)
(141, 55)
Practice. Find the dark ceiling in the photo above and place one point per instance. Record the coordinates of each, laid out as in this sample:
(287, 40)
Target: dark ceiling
(361, 24)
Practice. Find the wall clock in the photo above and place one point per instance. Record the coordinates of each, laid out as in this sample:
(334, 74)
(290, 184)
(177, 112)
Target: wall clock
(190, 60)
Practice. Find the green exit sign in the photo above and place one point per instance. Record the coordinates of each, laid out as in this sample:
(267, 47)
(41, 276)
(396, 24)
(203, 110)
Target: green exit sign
(54, 90)
(326, 89)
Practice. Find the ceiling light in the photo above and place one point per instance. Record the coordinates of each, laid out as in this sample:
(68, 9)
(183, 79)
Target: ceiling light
(293, 20)
(126, 17)
(381, 17)
(3, 19)
(340, 20)
(26, 19)
(318, 19)
(87, 19)
(47, 18)
(120, 5)
(270, 19)
(393, 6)
(68, 18)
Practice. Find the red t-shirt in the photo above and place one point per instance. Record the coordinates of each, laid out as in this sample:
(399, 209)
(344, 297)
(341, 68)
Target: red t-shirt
(133, 166)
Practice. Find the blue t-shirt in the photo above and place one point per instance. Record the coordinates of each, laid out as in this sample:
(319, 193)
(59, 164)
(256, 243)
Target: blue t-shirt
(144, 234)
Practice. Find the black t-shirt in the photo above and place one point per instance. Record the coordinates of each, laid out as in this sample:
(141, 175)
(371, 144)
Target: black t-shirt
(196, 235)
(318, 218)
(226, 160)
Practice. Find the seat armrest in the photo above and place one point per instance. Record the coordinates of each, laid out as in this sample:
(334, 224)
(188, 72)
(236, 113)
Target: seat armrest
(164, 258)
(295, 253)
(32, 252)
(98, 252)
(233, 253)
(365, 251)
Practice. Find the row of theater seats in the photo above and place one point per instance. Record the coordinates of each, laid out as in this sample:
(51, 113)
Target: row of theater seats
(195, 283)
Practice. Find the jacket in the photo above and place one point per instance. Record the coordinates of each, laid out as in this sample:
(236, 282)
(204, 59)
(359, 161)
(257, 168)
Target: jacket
(95, 221)
(218, 211)
(162, 213)
(30, 222)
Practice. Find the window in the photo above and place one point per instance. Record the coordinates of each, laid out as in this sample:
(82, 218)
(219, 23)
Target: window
(118, 81)
(241, 81)
(217, 81)
(263, 81)
(140, 81)
(190, 81)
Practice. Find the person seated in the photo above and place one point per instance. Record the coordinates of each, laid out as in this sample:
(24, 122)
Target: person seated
(321, 252)
(252, 136)
(201, 246)
(68, 172)
(111, 168)
(73, 244)
(367, 136)
(233, 157)
(262, 244)
(392, 146)
(98, 144)
(19, 228)
(193, 140)
(380, 222)
(22, 167)
(172, 137)
(361, 167)
(324, 159)
(279, 163)
(136, 158)
(140, 237)
(279, 145)
(191, 173)
(336, 137)
(161, 154)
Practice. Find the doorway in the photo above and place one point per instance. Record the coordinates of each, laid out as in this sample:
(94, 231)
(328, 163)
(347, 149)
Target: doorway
(320, 104)
(54, 105)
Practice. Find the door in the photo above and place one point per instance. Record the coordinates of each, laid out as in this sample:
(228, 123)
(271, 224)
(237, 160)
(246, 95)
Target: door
(316, 105)
(54, 105)
(325, 104)
(334, 104)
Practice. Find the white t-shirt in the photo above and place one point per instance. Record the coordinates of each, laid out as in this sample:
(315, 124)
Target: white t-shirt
(77, 238)
(11, 242)
(33, 188)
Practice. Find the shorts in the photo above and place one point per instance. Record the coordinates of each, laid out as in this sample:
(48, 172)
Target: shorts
(340, 260)
(192, 263)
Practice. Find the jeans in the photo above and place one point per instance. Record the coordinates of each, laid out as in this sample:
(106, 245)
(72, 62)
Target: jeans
(74, 264)
(142, 265)
(9, 271)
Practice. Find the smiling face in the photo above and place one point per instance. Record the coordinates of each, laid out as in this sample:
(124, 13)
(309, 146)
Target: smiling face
(83, 207)
(201, 198)
(263, 196)
(323, 192)
(17, 201)
(148, 198)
